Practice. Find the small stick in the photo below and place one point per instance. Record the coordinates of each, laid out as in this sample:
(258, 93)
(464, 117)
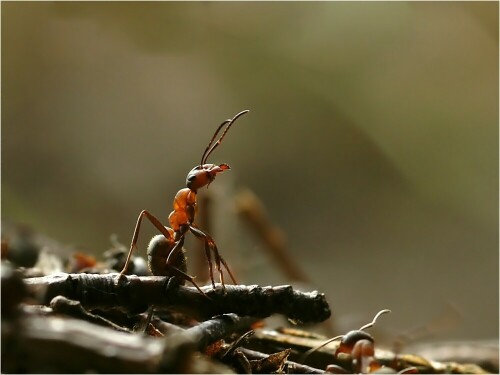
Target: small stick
(293, 367)
(64, 306)
(252, 210)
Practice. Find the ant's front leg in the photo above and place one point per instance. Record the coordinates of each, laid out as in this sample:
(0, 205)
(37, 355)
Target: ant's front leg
(210, 245)
(133, 244)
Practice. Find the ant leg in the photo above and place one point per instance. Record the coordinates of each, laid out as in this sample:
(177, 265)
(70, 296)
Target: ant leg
(208, 255)
(133, 244)
(178, 247)
(174, 271)
(211, 245)
(148, 319)
(175, 250)
(227, 268)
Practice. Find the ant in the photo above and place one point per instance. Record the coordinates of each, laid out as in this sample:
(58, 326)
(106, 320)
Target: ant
(359, 344)
(165, 250)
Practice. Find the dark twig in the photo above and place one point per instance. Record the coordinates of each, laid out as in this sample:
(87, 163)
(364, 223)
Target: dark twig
(292, 367)
(74, 309)
(215, 329)
(135, 294)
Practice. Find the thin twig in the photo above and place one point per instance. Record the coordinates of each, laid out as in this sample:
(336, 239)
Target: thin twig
(74, 309)
(252, 210)
(292, 367)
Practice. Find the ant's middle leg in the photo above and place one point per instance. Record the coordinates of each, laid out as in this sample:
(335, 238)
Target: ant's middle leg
(178, 247)
(208, 255)
(174, 271)
(210, 245)
(166, 258)
(133, 244)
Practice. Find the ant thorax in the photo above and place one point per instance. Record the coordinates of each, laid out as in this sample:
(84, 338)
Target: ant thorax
(184, 209)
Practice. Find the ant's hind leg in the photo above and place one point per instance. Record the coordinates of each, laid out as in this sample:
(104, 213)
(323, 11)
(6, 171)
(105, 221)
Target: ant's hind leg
(210, 243)
(208, 255)
(218, 261)
(228, 270)
(209, 246)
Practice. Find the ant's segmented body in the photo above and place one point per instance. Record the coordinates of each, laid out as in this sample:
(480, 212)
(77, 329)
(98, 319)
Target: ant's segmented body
(165, 253)
(360, 345)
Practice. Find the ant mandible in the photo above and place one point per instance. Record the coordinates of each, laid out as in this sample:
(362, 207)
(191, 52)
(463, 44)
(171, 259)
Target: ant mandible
(165, 251)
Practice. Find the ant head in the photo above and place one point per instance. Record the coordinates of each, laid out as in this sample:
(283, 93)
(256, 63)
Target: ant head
(204, 174)
(351, 338)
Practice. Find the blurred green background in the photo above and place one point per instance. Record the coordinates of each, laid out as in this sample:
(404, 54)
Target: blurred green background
(372, 138)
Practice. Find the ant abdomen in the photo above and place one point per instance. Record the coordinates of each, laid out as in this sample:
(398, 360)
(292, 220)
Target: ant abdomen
(158, 250)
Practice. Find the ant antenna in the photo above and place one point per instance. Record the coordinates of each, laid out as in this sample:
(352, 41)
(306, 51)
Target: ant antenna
(211, 145)
(310, 351)
(372, 323)
(369, 325)
(205, 156)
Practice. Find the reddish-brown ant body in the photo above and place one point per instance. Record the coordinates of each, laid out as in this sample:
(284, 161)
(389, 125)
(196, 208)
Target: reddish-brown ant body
(165, 253)
(360, 345)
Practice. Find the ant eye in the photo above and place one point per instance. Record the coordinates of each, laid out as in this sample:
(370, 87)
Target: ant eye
(191, 178)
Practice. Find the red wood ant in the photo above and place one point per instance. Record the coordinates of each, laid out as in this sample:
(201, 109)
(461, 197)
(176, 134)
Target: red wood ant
(165, 253)
(359, 344)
